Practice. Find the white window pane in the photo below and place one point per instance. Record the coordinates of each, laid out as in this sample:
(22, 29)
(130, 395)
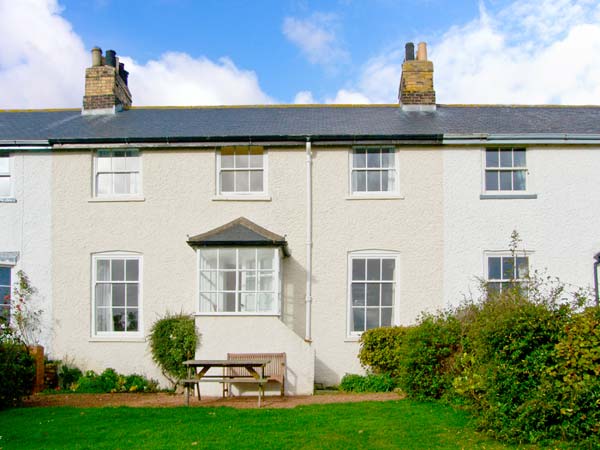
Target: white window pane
(103, 319)
(508, 268)
(4, 186)
(256, 181)
(358, 319)
(359, 292)
(265, 258)
(132, 269)
(505, 181)
(103, 183)
(134, 183)
(119, 161)
(208, 281)
(208, 259)
(256, 160)
(387, 294)
(374, 269)
(386, 317)
(265, 281)
(103, 294)
(491, 180)
(248, 303)
(384, 181)
(132, 319)
(242, 160)
(227, 281)
(387, 269)
(387, 159)
(119, 319)
(4, 164)
(132, 294)
(227, 181)
(103, 163)
(360, 181)
(248, 281)
(372, 318)
(359, 159)
(491, 158)
(102, 270)
(373, 181)
(118, 295)
(227, 159)
(374, 159)
(247, 258)
(208, 303)
(522, 267)
(505, 158)
(519, 158)
(4, 276)
(494, 268)
(117, 271)
(519, 180)
(227, 258)
(242, 181)
(227, 302)
(373, 292)
(266, 303)
(359, 268)
(122, 183)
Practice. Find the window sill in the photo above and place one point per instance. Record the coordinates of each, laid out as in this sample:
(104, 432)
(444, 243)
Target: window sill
(376, 197)
(508, 196)
(116, 199)
(224, 314)
(8, 200)
(132, 339)
(242, 198)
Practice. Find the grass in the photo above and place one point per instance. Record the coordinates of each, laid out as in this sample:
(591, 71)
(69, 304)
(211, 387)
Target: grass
(394, 424)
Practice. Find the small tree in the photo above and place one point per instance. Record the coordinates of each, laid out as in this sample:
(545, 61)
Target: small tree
(173, 340)
(25, 317)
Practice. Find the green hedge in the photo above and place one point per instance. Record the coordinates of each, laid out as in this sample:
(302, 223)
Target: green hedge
(17, 368)
(369, 383)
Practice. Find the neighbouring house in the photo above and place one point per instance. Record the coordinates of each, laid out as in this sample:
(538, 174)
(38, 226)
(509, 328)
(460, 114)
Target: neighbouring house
(284, 228)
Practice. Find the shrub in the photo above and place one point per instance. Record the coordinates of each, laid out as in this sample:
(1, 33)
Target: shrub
(110, 381)
(17, 367)
(67, 375)
(380, 349)
(173, 340)
(369, 383)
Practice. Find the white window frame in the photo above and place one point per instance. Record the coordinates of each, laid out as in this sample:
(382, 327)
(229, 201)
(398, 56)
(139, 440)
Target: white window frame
(112, 195)
(249, 195)
(372, 254)
(9, 175)
(512, 169)
(505, 254)
(395, 192)
(10, 289)
(121, 335)
(277, 284)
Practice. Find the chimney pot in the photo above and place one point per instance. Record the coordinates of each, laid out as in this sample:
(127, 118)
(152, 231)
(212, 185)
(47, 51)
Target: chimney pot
(111, 58)
(96, 57)
(422, 52)
(409, 51)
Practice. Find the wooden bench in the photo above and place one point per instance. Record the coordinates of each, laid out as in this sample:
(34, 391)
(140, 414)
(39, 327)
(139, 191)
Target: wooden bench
(274, 370)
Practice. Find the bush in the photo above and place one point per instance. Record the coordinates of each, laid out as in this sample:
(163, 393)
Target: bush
(380, 349)
(369, 383)
(17, 367)
(173, 340)
(67, 375)
(110, 381)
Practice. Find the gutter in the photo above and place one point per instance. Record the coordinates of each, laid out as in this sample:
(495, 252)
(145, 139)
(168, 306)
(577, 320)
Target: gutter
(309, 241)
(512, 139)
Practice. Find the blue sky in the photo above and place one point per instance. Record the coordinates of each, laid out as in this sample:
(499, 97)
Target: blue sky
(184, 52)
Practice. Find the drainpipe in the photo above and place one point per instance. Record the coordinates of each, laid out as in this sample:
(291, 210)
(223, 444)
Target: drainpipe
(309, 242)
(596, 264)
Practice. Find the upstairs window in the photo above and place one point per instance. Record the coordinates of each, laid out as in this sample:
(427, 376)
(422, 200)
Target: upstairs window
(5, 288)
(117, 173)
(239, 280)
(505, 170)
(373, 170)
(373, 289)
(504, 272)
(5, 189)
(117, 294)
(241, 171)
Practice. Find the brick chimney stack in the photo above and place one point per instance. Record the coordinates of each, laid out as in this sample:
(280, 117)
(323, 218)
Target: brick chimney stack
(106, 90)
(416, 84)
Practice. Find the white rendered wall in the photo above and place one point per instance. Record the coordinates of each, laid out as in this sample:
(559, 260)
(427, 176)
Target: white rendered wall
(25, 227)
(560, 226)
(179, 191)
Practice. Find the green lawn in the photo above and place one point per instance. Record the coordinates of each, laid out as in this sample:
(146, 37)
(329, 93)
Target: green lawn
(393, 424)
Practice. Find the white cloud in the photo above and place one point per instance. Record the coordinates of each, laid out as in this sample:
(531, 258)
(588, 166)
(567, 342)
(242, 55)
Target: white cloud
(304, 98)
(317, 39)
(348, 97)
(530, 52)
(43, 65)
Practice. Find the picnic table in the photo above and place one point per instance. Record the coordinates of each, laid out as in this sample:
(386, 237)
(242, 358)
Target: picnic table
(197, 372)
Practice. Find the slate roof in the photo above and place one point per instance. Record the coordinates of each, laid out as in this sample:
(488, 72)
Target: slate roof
(285, 122)
(239, 232)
